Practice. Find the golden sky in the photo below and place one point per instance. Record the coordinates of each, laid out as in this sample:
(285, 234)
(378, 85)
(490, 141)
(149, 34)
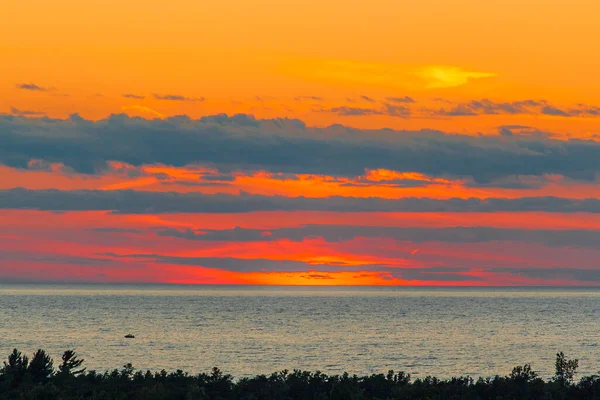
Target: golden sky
(230, 52)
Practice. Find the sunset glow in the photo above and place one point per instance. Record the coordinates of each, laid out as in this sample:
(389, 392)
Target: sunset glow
(300, 143)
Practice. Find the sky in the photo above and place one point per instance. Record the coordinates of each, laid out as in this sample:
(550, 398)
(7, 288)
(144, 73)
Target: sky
(422, 143)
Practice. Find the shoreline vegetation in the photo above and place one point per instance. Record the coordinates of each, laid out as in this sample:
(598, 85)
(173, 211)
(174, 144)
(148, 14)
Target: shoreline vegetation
(22, 378)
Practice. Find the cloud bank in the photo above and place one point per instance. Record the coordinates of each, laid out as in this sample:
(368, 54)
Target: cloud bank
(243, 143)
(338, 233)
(139, 202)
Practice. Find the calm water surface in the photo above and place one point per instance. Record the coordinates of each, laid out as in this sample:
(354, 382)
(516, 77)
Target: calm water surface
(251, 330)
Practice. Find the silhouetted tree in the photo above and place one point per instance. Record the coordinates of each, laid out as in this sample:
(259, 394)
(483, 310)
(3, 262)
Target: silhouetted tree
(16, 367)
(565, 369)
(523, 374)
(40, 367)
(70, 364)
(25, 379)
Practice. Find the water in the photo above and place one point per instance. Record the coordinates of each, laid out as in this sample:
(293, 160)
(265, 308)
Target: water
(251, 330)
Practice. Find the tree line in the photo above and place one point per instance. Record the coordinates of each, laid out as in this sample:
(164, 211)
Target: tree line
(27, 378)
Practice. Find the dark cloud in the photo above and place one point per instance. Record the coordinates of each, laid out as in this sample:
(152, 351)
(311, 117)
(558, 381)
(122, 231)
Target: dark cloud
(391, 110)
(448, 274)
(237, 120)
(138, 202)
(397, 111)
(586, 110)
(32, 86)
(310, 98)
(489, 107)
(29, 113)
(506, 185)
(284, 177)
(354, 111)
(574, 274)
(529, 107)
(176, 97)
(511, 130)
(246, 265)
(460, 110)
(404, 99)
(242, 143)
(512, 182)
(340, 233)
(551, 110)
(134, 96)
(53, 258)
(367, 98)
(314, 271)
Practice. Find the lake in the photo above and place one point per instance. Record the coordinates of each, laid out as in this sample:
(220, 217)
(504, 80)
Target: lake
(250, 330)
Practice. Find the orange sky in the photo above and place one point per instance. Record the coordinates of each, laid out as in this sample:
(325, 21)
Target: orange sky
(458, 66)
(231, 52)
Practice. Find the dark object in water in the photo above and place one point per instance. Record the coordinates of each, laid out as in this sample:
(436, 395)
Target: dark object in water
(129, 336)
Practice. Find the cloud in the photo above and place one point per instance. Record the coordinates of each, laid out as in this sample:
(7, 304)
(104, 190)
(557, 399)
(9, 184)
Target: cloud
(133, 96)
(572, 274)
(176, 97)
(404, 99)
(525, 107)
(28, 113)
(367, 98)
(245, 264)
(310, 98)
(512, 182)
(354, 111)
(53, 258)
(237, 120)
(460, 110)
(397, 111)
(586, 110)
(489, 107)
(447, 274)
(315, 271)
(511, 130)
(388, 109)
(32, 86)
(242, 143)
(139, 202)
(475, 108)
(551, 110)
(472, 108)
(342, 233)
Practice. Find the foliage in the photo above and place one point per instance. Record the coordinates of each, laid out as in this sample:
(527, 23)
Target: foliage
(36, 378)
(70, 364)
(565, 369)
